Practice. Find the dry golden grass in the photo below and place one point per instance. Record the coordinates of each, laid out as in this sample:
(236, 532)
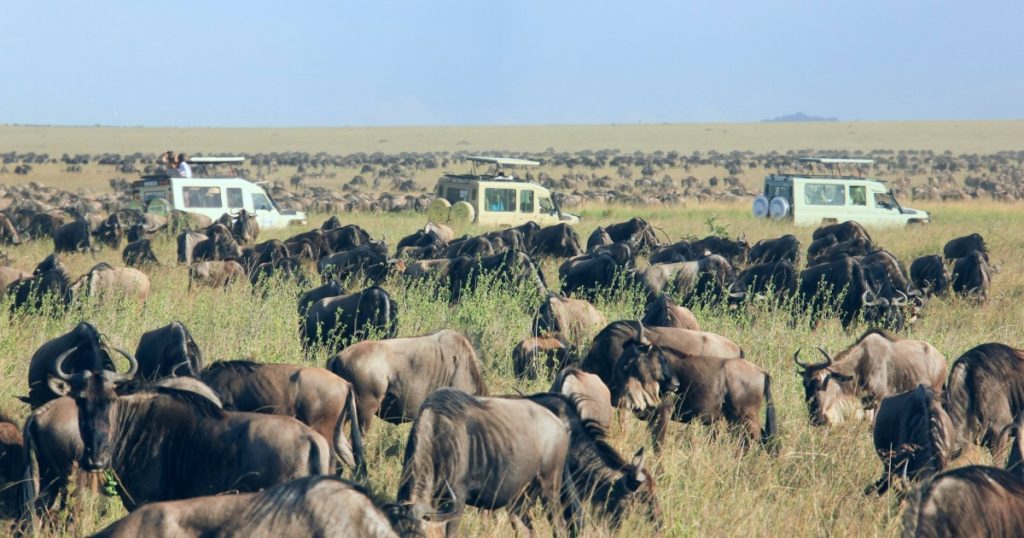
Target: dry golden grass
(706, 486)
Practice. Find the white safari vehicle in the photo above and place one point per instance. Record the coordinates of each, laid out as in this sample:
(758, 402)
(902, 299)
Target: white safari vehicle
(211, 193)
(810, 199)
(495, 198)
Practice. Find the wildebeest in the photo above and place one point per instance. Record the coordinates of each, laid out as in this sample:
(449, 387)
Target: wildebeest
(220, 245)
(12, 464)
(49, 279)
(8, 275)
(877, 365)
(685, 387)
(588, 277)
(735, 251)
(843, 231)
(598, 237)
(187, 242)
(853, 247)
(110, 232)
(636, 230)
(575, 319)
(8, 233)
(822, 285)
(284, 268)
(559, 240)
(526, 355)
(168, 351)
(139, 254)
(370, 258)
(80, 349)
(609, 345)
(514, 267)
(962, 246)
(245, 228)
(391, 378)
(972, 276)
(592, 397)
(74, 236)
(104, 281)
(785, 248)
(779, 278)
(930, 275)
(350, 317)
(465, 450)
(913, 437)
(967, 502)
(346, 237)
(215, 274)
(819, 245)
(985, 393)
(681, 251)
(662, 311)
(166, 444)
(330, 289)
(322, 506)
(708, 277)
(316, 397)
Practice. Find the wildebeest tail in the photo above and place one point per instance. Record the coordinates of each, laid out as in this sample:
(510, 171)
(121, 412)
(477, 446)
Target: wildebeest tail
(771, 426)
(358, 452)
(957, 399)
(319, 462)
(572, 506)
(28, 490)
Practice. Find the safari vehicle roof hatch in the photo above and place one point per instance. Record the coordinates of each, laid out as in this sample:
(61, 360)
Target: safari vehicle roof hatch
(834, 167)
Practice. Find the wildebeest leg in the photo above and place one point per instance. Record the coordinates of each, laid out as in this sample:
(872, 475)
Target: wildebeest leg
(551, 496)
(658, 423)
(519, 514)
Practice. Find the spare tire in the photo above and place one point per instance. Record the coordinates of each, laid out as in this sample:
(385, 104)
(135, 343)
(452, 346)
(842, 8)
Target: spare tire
(437, 211)
(462, 213)
(761, 207)
(779, 208)
(159, 206)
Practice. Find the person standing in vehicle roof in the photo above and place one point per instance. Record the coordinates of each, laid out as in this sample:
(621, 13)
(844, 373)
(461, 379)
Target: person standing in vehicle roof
(184, 170)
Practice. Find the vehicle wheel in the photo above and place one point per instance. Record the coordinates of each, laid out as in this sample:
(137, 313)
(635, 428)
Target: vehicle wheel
(159, 206)
(761, 207)
(437, 211)
(779, 208)
(462, 213)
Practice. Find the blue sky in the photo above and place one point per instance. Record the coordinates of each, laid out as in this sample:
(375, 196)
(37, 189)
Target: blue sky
(323, 63)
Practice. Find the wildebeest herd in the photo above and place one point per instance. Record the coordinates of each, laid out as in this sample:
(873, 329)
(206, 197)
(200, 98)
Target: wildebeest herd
(172, 431)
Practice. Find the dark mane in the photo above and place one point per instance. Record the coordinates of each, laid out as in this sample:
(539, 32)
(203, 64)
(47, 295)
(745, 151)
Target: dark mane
(881, 332)
(452, 403)
(197, 402)
(236, 365)
(102, 266)
(586, 435)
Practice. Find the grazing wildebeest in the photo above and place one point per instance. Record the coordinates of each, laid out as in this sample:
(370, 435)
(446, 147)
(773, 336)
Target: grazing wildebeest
(662, 311)
(104, 281)
(708, 277)
(314, 239)
(609, 345)
(346, 237)
(336, 320)
(735, 251)
(343, 264)
(559, 240)
(527, 354)
(853, 247)
(962, 246)
(967, 502)
(110, 232)
(575, 319)
(322, 506)
(330, 289)
(285, 268)
(187, 242)
(245, 228)
(12, 465)
(843, 231)
(819, 245)
(8, 233)
(220, 245)
(877, 365)
(265, 252)
(588, 277)
(464, 450)
(592, 397)
(785, 248)
(168, 351)
(972, 276)
(473, 247)
(74, 236)
(436, 268)
(49, 279)
(930, 275)
(139, 254)
(822, 285)
(636, 230)
(391, 378)
(681, 251)
(215, 274)
(165, 444)
(685, 387)
(514, 267)
(316, 397)
(779, 278)
(985, 393)
(913, 437)
(598, 238)
(80, 349)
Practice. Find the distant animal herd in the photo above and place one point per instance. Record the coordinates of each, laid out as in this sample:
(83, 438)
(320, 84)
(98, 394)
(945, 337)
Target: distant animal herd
(176, 430)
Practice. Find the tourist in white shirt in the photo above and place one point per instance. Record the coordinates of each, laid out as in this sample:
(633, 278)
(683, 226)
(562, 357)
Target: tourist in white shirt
(184, 170)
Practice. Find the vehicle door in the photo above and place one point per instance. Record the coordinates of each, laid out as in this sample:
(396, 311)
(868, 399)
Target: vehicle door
(204, 200)
(823, 201)
(266, 213)
(499, 206)
(858, 208)
(885, 209)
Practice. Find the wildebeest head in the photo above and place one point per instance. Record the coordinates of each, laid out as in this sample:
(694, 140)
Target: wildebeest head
(642, 376)
(95, 392)
(635, 488)
(822, 390)
(110, 232)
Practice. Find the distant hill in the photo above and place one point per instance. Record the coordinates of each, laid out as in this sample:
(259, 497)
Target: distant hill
(799, 116)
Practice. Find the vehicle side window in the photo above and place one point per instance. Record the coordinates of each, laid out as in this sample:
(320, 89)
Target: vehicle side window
(260, 202)
(235, 199)
(456, 194)
(824, 194)
(202, 197)
(546, 206)
(526, 201)
(858, 195)
(883, 199)
(500, 200)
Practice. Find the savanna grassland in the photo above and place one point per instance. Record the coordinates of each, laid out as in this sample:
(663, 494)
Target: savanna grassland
(706, 486)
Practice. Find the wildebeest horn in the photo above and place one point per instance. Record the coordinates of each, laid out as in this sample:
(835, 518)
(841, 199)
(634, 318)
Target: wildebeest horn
(796, 359)
(828, 358)
(903, 298)
(134, 363)
(640, 333)
(864, 298)
(58, 365)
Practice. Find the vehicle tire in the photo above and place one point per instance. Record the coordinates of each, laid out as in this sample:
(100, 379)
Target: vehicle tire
(159, 206)
(761, 207)
(779, 208)
(462, 213)
(437, 211)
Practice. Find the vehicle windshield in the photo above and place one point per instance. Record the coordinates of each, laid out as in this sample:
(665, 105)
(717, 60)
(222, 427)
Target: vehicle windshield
(546, 206)
(885, 200)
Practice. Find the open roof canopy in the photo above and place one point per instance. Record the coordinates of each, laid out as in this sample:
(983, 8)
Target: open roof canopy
(834, 160)
(216, 160)
(501, 161)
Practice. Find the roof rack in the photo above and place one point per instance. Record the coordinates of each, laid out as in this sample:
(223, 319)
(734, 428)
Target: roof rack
(216, 160)
(835, 160)
(506, 161)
